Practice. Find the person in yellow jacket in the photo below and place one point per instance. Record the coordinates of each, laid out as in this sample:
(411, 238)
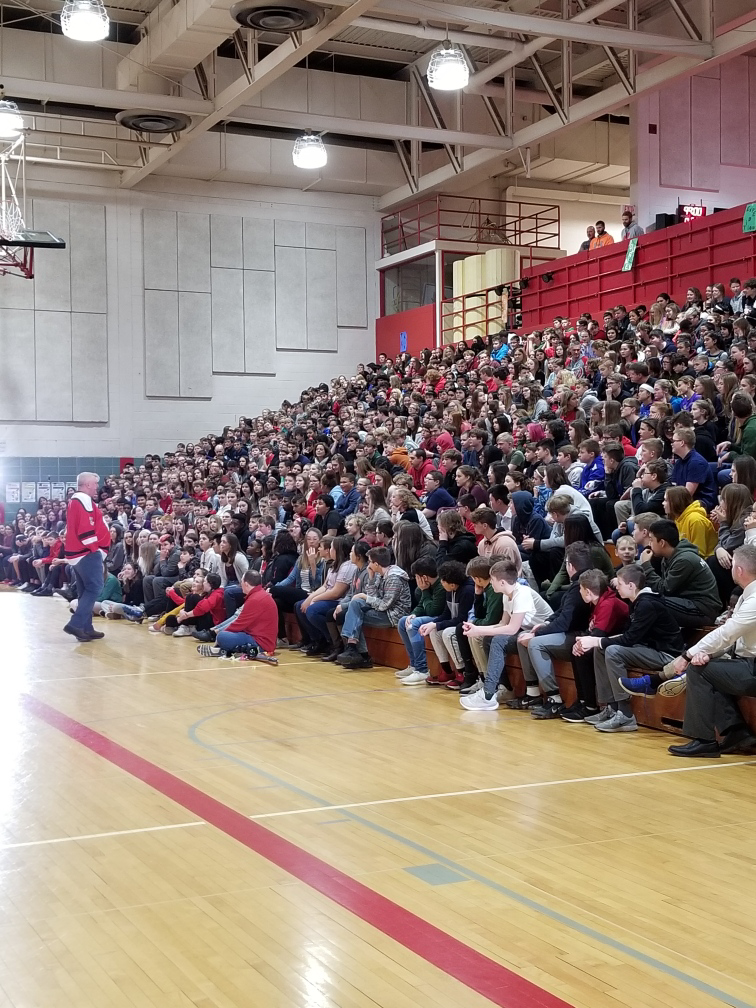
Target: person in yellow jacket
(691, 520)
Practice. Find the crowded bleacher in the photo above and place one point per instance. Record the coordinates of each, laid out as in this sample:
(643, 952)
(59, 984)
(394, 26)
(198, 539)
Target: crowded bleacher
(581, 493)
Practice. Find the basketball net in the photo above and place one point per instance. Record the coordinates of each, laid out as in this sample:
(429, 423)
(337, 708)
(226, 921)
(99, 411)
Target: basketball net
(13, 259)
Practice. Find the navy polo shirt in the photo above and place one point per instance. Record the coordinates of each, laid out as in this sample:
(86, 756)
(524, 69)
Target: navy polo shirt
(695, 469)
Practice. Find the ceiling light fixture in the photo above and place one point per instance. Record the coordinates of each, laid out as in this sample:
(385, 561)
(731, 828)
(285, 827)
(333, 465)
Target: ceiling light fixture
(85, 20)
(309, 151)
(11, 122)
(448, 69)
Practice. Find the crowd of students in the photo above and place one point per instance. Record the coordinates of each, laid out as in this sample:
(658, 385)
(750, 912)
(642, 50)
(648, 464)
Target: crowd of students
(466, 497)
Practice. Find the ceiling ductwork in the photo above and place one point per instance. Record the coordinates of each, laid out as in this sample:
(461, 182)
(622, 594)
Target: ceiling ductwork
(146, 121)
(286, 17)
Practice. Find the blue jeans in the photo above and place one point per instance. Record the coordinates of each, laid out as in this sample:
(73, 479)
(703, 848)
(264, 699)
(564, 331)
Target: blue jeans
(315, 619)
(89, 576)
(360, 614)
(233, 597)
(501, 646)
(413, 642)
(226, 640)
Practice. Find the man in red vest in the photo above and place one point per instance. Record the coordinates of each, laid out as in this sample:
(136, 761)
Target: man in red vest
(87, 543)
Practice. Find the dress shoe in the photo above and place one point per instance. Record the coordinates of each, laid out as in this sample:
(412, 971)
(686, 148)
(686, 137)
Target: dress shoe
(738, 740)
(94, 635)
(332, 655)
(81, 635)
(697, 747)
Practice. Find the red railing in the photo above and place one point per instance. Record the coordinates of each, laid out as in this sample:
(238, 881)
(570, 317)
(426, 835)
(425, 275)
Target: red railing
(480, 313)
(471, 220)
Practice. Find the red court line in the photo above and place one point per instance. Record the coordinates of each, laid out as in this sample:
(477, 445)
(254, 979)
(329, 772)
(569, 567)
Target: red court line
(476, 971)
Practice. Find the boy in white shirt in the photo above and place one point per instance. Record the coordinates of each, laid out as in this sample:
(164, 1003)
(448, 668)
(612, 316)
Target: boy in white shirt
(523, 608)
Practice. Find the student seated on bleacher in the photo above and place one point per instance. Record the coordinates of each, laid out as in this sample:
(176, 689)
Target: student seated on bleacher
(689, 589)
(487, 610)
(460, 594)
(554, 639)
(389, 599)
(626, 550)
(610, 615)
(431, 601)
(651, 640)
(522, 609)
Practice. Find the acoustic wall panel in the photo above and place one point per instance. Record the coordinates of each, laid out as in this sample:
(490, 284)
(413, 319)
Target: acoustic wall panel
(194, 252)
(52, 284)
(705, 167)
(226, 242)
(320, 236)
(88, 258)
(351, 277)
(16, 292)
(195, 352)
(733, 100)
(17, 385)
(161, 343)
(52, 365)
(160, 240)
(321, 300)
(89, 367)
(291, 286)
(290, 233)
(675, 136)
(259, 322)
(227, 325)
(258, 236)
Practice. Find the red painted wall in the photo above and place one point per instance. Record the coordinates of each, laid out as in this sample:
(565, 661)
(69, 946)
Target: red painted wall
(706, 251)
(418, 323)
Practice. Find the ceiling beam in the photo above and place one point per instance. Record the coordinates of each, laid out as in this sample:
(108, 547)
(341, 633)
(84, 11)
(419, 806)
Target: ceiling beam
(422, 31)
(78, 94)
(480, 164)
(270, 68)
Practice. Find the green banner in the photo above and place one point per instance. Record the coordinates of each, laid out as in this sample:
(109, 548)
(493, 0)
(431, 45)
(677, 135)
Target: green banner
(630, 257)
(749, 218)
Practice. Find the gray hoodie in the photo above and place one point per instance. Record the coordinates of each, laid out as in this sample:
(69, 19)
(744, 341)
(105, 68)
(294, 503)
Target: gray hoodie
(395, 598)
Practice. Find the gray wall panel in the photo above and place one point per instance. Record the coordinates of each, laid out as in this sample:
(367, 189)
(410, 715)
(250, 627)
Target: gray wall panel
(291, 286)
(88, 258)
(52, 286)
(351, 276)
(16, 292)
(259, 322)
(258, 244)
(160, 242)
(52, 358)
(89, 365)
(226, 241)
(161, 344)
(320, 236)
(291, 233)
(195, 352)
(194, 252)
(227, 320)
(17, 391)
(321, 300)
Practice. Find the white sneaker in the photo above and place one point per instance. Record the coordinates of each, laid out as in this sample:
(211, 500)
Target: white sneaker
(403, 673)
(153, 619)
(24, 585)
(183, 631)
(477, 701)
(619, 723)
(415, 678)
(673, 687)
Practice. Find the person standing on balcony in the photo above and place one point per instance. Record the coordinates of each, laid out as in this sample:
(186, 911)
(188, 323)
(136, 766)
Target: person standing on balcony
(629, 228)
(602, 237)
(591, 234)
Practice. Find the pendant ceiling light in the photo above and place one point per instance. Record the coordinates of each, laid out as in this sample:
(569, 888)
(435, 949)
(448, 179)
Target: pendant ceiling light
(448, 70)
(309, 151)
(85, 20)
(11, 122)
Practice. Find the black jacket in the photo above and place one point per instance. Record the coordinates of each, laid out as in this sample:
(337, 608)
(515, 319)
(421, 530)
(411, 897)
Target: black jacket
(651, 625)
(462, 548)
(572, 616)
(279, 568)
(464, 598)
(654, 503)
(617, 482)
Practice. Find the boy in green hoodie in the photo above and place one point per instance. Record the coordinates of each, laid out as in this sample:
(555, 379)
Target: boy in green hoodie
(487, 611)
(430, 604)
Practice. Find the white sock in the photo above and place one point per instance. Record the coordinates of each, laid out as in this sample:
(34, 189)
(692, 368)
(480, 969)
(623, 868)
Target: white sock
(534, 690)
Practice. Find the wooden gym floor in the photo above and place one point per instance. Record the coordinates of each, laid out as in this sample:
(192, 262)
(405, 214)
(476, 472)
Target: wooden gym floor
(188, 832)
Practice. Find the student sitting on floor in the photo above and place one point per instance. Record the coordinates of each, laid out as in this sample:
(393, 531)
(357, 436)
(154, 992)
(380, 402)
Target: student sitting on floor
(522, 609)
(389, 600)
(610, 615)
(487, 610)
(200, 612)
(111, 592)
(460, 593)
(651, 640)
(253, 631)
(431, 602)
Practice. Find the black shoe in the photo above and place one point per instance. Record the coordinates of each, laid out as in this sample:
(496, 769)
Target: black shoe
(696, 748)
(313, 650)
(738, 740)
(65, 593)
(577, 713)
(360, 661)
(349, 654)
(30, 588)
(43, 593)
(331, 656)
(548, 711)
(81, 635)
(94, 635)
(206, 636)
(525, 702)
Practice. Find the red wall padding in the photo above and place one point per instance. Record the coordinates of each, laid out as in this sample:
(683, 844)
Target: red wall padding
(710, 250)
(418, 323)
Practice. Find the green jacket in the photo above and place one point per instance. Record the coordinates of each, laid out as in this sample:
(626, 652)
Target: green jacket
(686, 575)
(111, 590)
(747, 443)
(431, 601)
(489, 607)
(601, 560)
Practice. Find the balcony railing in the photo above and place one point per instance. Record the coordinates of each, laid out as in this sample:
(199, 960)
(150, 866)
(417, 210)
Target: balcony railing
(481, 313)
